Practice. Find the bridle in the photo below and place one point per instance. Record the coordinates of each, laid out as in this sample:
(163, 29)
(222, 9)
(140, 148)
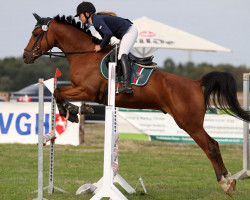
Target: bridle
(37, 45)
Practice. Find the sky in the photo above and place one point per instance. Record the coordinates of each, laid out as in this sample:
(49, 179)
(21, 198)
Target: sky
(224, 22)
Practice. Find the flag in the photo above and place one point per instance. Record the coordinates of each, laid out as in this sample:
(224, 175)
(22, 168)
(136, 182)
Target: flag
(49, 84)
(58, 73)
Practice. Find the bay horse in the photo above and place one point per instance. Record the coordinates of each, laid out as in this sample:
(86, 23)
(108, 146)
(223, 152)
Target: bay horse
(184, 99)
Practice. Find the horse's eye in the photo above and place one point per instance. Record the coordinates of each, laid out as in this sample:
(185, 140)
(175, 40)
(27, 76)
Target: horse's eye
(35, 34)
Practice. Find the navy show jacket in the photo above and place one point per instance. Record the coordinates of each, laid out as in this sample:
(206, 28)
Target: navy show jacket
(109, 26)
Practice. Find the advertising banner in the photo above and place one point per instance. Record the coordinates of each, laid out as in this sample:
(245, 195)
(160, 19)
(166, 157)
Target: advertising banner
(162, 127)
(19, 124)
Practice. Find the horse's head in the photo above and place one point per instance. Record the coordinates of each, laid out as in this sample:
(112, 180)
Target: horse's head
(40, 42)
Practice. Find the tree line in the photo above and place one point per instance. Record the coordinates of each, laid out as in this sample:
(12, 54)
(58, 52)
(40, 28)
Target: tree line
(15, 74)
(196, 71)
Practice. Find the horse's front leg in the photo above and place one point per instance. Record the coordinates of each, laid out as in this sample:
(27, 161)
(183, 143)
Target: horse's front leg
(70, 110)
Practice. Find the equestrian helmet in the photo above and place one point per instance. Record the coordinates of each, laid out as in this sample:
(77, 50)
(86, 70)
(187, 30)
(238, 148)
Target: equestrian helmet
(85, 7)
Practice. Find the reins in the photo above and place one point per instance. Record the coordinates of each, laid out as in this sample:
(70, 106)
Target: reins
(55, 53)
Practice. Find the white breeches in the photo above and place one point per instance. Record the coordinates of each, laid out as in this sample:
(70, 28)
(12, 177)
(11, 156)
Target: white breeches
(128, 40)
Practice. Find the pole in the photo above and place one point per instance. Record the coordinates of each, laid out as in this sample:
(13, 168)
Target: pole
(40, 139)
(246, 124)
(52, 145)
(108, 189)
(51, 186)
(245, 171)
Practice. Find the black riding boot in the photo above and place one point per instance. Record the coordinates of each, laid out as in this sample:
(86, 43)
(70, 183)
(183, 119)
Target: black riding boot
(126, 87)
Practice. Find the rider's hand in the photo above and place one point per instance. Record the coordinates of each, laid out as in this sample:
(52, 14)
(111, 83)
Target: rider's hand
(97, 48)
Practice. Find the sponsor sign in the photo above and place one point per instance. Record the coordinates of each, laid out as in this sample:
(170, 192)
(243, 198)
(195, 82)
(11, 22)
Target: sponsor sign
(149, 37)
(158, 126)
(19, 124)
(156, 41)
(147, 34)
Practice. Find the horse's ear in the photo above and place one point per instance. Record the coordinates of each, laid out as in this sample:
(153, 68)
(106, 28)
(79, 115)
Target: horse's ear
(38, 18)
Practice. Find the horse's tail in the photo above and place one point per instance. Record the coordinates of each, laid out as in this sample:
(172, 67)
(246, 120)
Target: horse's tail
(221, 91)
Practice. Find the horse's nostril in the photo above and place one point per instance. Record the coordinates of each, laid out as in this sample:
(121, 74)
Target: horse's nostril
(24, 56)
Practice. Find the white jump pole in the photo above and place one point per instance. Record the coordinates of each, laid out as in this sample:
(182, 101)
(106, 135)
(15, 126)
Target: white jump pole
(245, 172)
(51, 186)
(107, 188)
(42, 142)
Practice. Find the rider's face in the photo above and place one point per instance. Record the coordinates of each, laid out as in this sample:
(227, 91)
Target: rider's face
(82, 18)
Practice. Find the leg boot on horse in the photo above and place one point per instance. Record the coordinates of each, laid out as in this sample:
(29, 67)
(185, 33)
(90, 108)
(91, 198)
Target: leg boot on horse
(69, 110)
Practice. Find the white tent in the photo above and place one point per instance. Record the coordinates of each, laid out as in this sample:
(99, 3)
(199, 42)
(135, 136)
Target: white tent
(153, 35)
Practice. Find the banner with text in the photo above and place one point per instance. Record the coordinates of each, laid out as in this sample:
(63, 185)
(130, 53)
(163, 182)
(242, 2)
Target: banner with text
(156, 126)
(19, 124)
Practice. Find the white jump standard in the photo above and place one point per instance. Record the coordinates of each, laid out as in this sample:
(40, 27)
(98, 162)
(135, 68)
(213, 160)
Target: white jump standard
(105, 187)
(108, 189)
(42, 140)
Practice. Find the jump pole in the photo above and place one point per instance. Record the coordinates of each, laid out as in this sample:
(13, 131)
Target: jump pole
(42, 142)
(107, 188)
(245, 171)
(51, 186)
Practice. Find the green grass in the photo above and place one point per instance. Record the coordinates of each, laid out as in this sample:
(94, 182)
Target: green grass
(131, 136)
(170, 171)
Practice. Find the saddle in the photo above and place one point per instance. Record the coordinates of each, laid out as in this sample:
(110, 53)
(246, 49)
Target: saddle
(142, 69)
(146, 62)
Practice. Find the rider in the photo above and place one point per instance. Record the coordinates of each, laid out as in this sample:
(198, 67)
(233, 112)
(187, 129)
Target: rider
(108, 25)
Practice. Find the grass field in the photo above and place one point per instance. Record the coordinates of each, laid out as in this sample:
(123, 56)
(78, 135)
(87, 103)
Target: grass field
(169, 170)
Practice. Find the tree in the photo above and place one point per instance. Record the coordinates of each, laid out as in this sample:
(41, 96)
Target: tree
(169, 66)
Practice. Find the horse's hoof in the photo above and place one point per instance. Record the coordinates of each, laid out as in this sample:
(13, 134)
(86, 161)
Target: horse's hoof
(232, 186)
(86, 109)
(73, 118)
(233, 183)
(228, 185)
(230, 191)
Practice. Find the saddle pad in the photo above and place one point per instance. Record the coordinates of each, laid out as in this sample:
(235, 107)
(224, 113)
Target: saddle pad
(139, 75)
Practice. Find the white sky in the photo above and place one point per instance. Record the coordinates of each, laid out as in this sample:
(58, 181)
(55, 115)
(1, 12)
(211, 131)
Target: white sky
(224, 22)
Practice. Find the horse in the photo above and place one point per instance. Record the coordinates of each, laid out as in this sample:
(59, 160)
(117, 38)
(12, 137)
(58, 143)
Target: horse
(184, 99)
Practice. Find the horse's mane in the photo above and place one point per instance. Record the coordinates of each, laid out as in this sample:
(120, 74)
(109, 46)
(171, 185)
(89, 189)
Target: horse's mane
(71, 21)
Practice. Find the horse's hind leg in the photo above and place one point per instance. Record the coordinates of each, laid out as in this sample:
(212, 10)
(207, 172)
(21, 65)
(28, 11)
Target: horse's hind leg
(212, 150)
(185, 102)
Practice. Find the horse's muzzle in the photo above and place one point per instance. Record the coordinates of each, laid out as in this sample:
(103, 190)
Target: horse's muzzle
(28, 58)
